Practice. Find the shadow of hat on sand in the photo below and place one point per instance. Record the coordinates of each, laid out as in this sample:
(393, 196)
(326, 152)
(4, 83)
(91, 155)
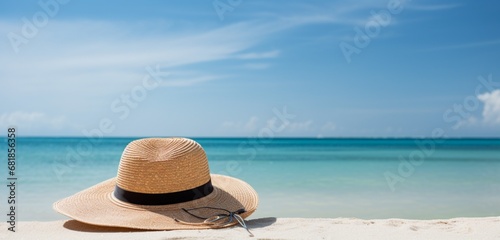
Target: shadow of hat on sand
(74, 225)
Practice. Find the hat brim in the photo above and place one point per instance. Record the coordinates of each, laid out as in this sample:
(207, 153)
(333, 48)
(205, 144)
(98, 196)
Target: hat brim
(97, 206)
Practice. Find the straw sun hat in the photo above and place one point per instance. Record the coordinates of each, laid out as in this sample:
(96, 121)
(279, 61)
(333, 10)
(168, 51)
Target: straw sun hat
(163, 184)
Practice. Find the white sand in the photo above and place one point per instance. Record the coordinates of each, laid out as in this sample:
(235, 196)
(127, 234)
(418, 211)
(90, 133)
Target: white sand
(282, 228)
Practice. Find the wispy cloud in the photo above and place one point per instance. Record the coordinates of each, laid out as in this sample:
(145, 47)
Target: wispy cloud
(259, 55)
(247, 127)
(256, 66)
(186, 79)
(467, 122)
(254, 125)
(300, 127)
(90, 59)
(251, 124)
(33, 120)
(294, 127)
(329, 126)
(84, 54)
(187, 82)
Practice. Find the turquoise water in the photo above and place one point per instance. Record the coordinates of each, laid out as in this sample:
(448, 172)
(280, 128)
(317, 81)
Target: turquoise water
(294, 177)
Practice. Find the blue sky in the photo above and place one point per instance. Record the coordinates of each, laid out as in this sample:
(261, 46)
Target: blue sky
(231, 68)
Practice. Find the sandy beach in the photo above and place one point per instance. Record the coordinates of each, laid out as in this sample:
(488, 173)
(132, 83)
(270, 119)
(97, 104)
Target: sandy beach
(277, 228)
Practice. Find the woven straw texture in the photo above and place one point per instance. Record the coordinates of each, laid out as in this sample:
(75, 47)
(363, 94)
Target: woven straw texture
(159, 166)
(156, 165)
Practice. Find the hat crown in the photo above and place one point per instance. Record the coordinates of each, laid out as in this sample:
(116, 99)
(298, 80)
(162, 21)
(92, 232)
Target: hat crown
(162, 165)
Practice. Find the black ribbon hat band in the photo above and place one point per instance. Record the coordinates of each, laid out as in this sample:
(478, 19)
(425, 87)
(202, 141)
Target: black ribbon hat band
(163, 198)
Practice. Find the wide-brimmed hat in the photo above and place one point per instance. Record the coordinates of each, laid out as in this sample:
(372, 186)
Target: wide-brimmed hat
(163, 184)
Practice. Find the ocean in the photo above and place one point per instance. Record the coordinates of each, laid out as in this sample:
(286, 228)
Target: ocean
(294, 177)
